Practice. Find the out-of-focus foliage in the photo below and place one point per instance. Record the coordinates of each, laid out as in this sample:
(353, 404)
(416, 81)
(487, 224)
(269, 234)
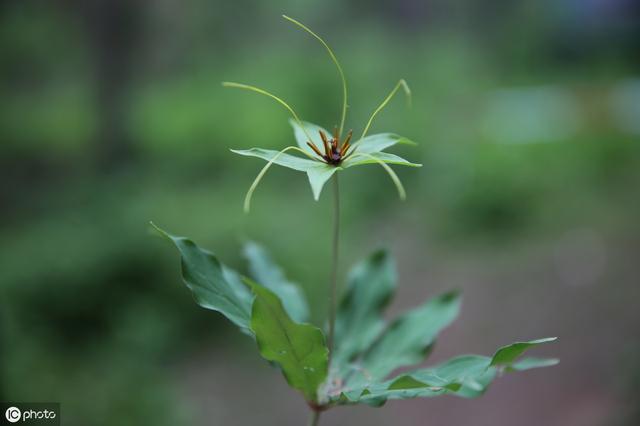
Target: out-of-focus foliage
(112, 115)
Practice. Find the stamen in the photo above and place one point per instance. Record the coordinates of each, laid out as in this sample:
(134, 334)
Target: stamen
(322, 136)
(344, 149)
(348, 136)
(314, 148)
(325, 142)
(345, 145)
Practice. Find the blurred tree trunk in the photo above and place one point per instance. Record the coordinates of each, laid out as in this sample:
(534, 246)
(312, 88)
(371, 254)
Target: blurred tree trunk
(113, 30)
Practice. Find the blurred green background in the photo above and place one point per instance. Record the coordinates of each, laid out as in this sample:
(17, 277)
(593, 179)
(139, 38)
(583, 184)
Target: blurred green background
(527, 115)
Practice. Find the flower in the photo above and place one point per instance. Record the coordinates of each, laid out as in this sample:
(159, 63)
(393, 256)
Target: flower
(325, 156)
(334, 152)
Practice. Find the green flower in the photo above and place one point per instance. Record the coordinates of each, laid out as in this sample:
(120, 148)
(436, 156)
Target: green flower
(325, 155)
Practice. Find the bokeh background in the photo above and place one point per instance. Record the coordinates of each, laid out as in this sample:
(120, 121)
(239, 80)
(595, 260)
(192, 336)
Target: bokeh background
(527, 115)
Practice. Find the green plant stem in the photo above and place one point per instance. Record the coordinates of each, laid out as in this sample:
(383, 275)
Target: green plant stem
(315, 418)
(334, 263)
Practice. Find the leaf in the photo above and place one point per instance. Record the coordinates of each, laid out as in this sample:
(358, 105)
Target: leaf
(371, 284)
(506, 355)
(410, 337)
(299, 349)
(379, 142)
(467, 376)
(281, 159)
(213, 285)
(462, 374)
(312, 130)
(453, 376)
(318, 172)
(376, 157)
(318, 176)
(264, 270)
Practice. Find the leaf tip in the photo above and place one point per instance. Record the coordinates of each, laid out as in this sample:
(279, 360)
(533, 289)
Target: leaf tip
(544, 340)
(380, 255)
(252, 285)
(407, 91)
(159, 230)
(246, 206)
(451, 296)
(407, 141)
(153, 226)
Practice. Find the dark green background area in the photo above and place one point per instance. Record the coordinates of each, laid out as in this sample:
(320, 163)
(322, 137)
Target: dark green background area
(112, 114)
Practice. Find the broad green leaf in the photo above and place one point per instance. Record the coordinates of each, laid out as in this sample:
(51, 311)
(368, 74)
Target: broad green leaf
(464, 375)
(379, 142)
(264, 270)
(373, 158)
(467, 376)
(409, 338)
(299, 349)
(318, 176)
(449, 374)
(371, 284)
(506, 355)
(312, 130)
(213, 285)
(281, 159)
